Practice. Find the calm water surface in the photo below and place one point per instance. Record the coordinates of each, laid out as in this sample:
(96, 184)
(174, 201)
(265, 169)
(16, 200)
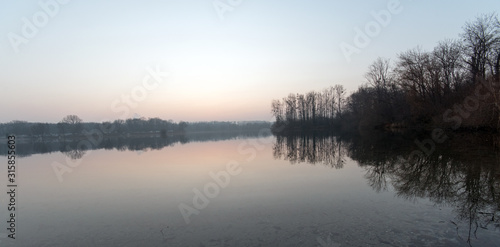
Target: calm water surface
(288, 192)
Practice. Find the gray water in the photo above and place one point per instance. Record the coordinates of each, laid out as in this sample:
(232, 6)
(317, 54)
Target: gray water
(321, 191)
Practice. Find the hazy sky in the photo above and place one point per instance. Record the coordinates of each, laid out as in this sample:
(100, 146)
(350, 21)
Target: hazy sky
(94, 58)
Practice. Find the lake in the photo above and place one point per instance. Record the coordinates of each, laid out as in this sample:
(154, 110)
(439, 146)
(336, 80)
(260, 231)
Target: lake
(248, 190)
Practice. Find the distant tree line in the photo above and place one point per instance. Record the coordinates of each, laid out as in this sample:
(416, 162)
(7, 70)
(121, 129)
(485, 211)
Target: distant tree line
(455, 86)
(72, 126)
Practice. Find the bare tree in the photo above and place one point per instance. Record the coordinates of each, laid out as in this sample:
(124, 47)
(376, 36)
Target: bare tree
(301, 108)
(332, 102)
(74, 123)
(378, 74)
(411, 71)
(449, 56)
(290, 105)
(311, 105)
(277, 111)
(340, 96)
(72, 119)
(482, 40)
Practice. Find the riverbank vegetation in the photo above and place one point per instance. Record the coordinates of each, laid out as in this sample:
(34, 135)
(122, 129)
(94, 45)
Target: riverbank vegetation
(455, 86)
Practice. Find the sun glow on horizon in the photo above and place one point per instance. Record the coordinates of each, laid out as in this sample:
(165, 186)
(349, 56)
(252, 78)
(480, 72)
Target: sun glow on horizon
(227, 69)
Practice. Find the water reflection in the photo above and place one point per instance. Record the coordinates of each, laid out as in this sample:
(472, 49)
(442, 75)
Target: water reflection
(75, 153)
(327, 150)
(76, 149)
(463, 172)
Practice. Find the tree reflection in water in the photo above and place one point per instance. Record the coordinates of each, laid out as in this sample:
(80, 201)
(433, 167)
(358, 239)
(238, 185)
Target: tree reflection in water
(463, 173)
(311, 149)
(75, 154)
(76, 149)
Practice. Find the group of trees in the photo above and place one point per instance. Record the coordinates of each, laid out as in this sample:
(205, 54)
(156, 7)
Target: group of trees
(73, 126)
(298, 111)
(455, 85)
(143, 125)
(457, 79)
(69, 125)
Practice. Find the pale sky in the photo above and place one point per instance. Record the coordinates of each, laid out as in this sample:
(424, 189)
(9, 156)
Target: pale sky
(91, 58)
